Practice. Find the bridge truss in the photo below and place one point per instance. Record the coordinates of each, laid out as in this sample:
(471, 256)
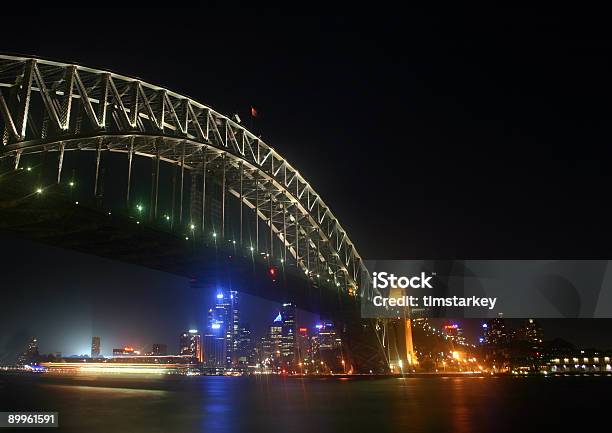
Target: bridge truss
(55, 108)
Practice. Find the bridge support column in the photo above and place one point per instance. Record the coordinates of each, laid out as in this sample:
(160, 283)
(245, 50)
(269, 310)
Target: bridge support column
(241, 197)
(173, 197)
(204, 169)
(182, 185)
(17, 159)
(98, 152)
(60, 163)
(297, 240)
(400, 340)
(156, 185)
(284, 233)
(129, 179)
(271, 231)
(307, 252)
(223, 198)
(256, 212)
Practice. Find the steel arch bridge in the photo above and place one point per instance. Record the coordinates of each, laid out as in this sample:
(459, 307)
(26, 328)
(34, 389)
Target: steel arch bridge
(51, 107)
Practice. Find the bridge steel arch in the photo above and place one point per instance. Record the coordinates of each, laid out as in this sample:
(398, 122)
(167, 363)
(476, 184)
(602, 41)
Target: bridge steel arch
(48, 106)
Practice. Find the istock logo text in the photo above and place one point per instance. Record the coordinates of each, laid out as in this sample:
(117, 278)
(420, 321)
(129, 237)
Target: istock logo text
(382, 280)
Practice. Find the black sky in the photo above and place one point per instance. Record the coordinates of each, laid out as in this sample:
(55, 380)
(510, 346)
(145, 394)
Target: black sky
(462, 135)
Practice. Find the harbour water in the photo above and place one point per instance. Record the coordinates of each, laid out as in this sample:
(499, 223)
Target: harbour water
(285, 405)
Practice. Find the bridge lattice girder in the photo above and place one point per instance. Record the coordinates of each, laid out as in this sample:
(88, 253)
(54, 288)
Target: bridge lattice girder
(48, 106)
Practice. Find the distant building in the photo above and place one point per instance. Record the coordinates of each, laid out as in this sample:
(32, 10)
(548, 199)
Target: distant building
(495, 332)
(275, 336)
(214, 350)
(224, 320)
(95, 347)
(304, 347)
(532, 333)
(244, 347)
(190, 344)
(233, 332)
(262, 353)
(124, 351)
(288, 332)
(159, 349)
(330, 347)
(30, 355)
(328, 337)
(455, 332)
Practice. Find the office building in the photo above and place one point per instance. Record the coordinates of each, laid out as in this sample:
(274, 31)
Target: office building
(159, 349)
(95, 347)
(288, 332)
(191, 344)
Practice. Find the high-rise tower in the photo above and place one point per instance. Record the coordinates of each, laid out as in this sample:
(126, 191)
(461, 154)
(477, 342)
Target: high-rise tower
(95, 347)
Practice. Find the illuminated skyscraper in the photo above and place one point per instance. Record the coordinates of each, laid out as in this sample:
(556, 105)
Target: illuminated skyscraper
(232, 334)
(275, 337)
(304, 346)
(191, 344)
(95, 347)
(288, 332)
(224, 320)
(330, 346)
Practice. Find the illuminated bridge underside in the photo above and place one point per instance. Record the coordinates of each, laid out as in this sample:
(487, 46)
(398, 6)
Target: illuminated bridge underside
(56, 108)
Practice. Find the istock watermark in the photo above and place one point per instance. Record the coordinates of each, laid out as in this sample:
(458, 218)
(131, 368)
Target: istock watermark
(487, 288)
(382, 280)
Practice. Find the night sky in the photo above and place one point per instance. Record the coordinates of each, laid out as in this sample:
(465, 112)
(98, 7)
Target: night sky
(430, 136)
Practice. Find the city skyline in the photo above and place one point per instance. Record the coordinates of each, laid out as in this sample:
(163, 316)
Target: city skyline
(466, 132)
(197, 206)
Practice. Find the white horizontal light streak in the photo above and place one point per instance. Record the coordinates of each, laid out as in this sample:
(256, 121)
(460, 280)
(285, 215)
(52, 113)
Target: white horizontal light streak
(115, 367)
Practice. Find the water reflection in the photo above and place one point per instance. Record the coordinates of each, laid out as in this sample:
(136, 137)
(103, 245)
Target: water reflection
(269, 404)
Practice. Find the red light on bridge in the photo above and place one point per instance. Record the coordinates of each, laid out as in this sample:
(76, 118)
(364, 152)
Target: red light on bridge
(272, 272)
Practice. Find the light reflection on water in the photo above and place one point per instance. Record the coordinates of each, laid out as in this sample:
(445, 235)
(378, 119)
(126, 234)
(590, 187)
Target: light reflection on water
(268, 404)
(115, 392)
